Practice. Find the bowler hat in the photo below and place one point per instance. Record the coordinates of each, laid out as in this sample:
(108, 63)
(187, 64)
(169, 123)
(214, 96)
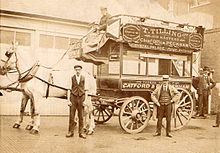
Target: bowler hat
(77, 66)
(206, 68)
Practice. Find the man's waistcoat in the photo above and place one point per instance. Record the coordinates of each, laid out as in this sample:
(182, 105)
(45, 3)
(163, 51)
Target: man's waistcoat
(165, 97)
(78, 89)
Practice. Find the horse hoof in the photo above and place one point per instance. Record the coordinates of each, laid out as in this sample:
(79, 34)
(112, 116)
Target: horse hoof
(16, 125)
(34, 132)
(28, 127)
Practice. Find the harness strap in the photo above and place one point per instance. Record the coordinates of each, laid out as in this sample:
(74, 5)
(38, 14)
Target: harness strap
(53, 85)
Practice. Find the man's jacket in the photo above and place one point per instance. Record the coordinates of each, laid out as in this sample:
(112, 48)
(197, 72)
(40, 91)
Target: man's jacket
(205, 84)
(174, 93)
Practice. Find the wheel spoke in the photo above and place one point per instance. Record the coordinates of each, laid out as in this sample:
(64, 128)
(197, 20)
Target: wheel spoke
(182, 115)
(127, 113)
(143, 110)
(128, 123)
(179, 119)
(182, 100)
(136, 125)
(96, 112)
(103, 116)
(107, 113)
(132, 104)
(185, 104)
(98, 115)
(132, 126)
(137, 104)
(186, 110)
(129, 108)
(141, 106)
(141, 122)
(110, 111)
(126, 118)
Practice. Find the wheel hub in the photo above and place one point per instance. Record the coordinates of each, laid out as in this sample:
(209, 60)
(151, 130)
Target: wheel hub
(135, 115)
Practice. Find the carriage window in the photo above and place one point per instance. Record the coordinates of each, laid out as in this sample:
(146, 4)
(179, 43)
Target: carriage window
(6, 36)
(153, 66)
(181, 66)
(158, 66)
(114, 59)
(114, 67)
(23, 39)
(46, 41)
(133, 64)
(164, 66)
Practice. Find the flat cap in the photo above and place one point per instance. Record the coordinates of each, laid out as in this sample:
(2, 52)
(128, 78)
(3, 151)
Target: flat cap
(77, 66)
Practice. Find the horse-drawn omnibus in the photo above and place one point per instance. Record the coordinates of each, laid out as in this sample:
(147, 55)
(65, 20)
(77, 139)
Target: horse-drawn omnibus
(131, 56)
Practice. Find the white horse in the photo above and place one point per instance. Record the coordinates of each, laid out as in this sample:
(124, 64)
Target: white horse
(35, 81)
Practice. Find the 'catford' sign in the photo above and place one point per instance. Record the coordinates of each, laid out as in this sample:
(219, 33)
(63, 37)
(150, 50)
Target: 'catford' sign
(159, 38)
(150, 85)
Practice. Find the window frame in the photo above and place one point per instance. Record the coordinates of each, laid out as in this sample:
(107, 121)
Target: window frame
(17, 30)
(198, 3)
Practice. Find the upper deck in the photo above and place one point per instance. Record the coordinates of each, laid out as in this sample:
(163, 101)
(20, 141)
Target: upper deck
(134, 52)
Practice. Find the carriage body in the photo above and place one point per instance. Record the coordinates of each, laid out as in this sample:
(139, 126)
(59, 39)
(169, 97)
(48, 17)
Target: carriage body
(131, 57)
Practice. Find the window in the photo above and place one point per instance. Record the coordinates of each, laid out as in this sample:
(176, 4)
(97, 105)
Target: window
(181, 66)
(56, 42)
(46, 41)
(61, 42)
(114, 59)
(23, 38)
(163, 64)
(7, 37)
(114, 67)
(133, 64)
(195, 3)
(153, 66)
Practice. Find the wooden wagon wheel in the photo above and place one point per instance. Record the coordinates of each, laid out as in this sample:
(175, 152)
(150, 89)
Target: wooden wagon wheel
(134, 114)
(102, 112)
(183, 110)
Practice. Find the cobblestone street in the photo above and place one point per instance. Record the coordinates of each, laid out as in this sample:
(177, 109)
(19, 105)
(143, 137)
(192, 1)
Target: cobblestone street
(197, 137)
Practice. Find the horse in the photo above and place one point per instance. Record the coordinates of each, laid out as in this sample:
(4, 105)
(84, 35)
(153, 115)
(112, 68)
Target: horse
(35, 82)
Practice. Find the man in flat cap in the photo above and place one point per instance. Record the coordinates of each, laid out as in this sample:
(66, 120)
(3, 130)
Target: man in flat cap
(76, 98)
(164, 96)
(104, 19)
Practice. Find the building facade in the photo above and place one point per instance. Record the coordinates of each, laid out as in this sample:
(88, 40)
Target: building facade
(46, 39)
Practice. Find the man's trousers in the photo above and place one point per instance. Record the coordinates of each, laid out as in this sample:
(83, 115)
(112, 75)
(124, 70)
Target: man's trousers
(164, 111)
(203, 103)
(77, 104)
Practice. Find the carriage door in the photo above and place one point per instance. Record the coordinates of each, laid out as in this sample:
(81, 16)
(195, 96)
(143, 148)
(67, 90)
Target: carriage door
(10, 102)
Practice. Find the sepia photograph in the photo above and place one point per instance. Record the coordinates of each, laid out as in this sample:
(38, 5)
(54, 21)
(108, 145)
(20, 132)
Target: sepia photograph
(109, 76)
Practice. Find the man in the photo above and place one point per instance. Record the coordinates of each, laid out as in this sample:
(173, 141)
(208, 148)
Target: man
(205, 84)
(104, 19)
(217, 121)
(164, 96)
(75, 100)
